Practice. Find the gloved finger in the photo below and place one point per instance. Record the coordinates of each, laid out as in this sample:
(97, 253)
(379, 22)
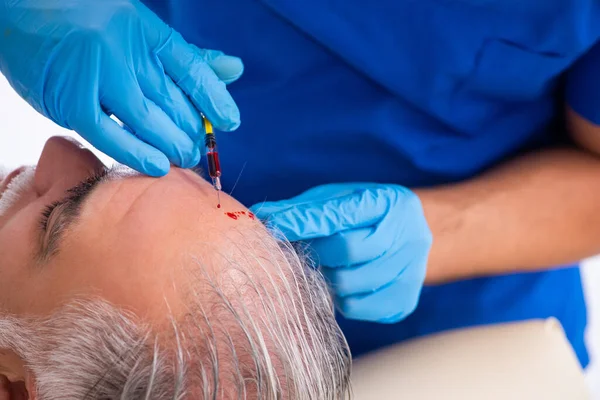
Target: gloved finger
(197, 79)
(160, 88)
(108, 137)
(388, 305)
(157, 32)
(85, 116)
(152, 125)
(228, 68)
(356, 246)
(374, 275)
(315, 195)
(320, 218)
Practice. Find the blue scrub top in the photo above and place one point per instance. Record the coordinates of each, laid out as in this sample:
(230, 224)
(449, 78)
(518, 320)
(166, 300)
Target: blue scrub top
(417, 93)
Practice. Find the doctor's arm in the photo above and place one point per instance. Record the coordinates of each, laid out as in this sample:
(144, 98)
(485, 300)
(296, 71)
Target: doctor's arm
(538, 210)
(373, 242)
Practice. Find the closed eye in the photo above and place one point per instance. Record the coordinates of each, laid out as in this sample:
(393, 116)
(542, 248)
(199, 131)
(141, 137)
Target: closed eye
(58, 216)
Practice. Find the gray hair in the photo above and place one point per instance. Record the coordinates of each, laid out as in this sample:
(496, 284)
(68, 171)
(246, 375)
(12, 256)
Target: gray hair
(263, 328)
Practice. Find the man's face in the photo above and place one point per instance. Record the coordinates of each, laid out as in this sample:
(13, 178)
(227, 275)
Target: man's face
(73, 230)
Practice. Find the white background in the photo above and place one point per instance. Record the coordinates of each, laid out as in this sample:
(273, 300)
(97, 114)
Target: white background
(23, 133)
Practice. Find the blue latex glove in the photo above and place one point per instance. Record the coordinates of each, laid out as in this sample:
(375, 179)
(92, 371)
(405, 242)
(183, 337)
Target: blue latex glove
(371, 241)
(78, 62)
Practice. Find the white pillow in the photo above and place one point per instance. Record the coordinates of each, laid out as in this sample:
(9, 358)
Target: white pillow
(529, 361)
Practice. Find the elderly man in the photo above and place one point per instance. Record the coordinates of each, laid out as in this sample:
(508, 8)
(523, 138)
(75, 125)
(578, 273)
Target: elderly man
(119, 286)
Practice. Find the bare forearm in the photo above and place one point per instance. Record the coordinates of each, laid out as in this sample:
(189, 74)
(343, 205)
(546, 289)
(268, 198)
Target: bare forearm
(540, 210)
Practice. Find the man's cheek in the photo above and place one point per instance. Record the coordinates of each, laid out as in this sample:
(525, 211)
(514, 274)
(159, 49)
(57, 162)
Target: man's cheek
(17, 250)
(13, 285)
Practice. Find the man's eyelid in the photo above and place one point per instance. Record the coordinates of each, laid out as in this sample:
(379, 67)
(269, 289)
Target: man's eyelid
(65, 212)
(51, 235)
(74, 191)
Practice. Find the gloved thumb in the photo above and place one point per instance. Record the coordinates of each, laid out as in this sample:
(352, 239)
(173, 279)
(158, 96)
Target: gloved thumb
(228, 68)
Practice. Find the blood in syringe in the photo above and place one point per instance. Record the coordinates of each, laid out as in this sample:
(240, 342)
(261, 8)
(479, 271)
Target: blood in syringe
(214, 165)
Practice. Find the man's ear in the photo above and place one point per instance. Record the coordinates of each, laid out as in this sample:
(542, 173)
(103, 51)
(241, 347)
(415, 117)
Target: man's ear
(30, 386)
(4, 388)
(12, 390)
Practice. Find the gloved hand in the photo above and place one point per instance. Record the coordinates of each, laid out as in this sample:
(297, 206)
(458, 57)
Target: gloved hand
(78, 62)
(371, 241)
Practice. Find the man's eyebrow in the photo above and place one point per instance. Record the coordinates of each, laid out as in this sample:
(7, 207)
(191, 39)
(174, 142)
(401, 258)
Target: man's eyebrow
(58, 217)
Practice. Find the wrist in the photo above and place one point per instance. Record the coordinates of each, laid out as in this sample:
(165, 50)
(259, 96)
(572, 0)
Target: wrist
(445, 216)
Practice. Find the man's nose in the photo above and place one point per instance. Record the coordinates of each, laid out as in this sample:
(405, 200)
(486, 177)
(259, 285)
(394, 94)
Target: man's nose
(63, 164)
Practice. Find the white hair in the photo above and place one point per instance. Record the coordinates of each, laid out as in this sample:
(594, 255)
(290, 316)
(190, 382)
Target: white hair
(264, 328)
(15, 188)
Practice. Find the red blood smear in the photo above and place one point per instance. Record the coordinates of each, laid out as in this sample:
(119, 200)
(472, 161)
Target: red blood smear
(218, 205)
(236, 214)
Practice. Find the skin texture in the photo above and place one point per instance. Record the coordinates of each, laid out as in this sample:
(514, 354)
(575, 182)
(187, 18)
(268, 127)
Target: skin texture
(131, 235)
(538, 210)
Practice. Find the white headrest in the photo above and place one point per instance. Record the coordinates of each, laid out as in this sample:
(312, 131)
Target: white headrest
(528, 361)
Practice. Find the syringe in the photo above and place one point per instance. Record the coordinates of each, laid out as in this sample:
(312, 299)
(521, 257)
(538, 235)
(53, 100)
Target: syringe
(212, 156)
